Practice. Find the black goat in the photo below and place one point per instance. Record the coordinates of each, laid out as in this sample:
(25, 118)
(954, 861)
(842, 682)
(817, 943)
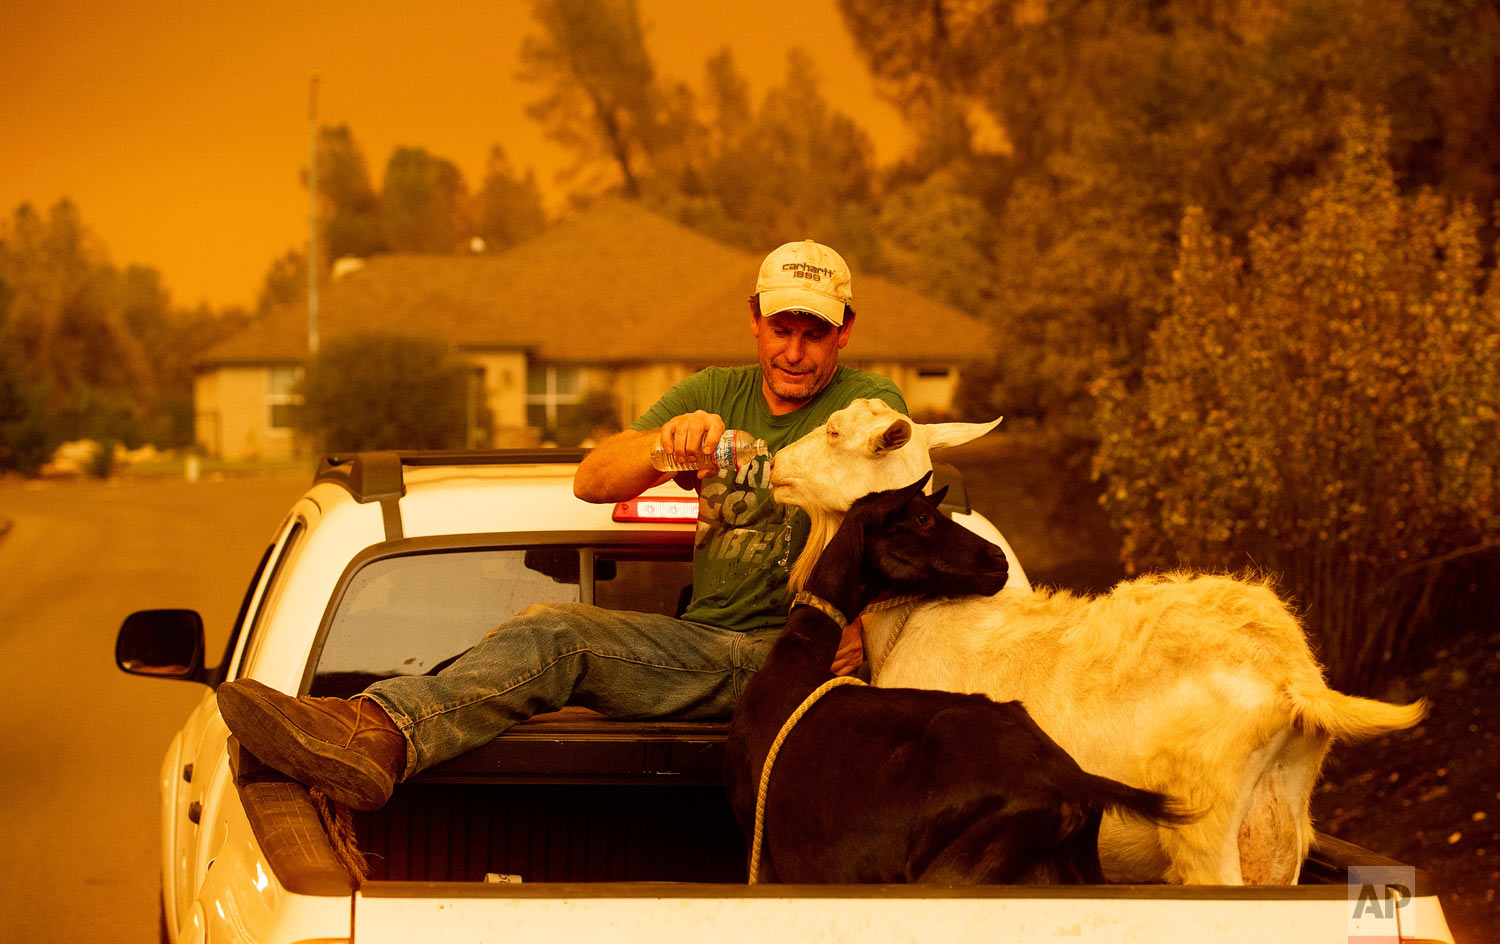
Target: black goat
(908, 785)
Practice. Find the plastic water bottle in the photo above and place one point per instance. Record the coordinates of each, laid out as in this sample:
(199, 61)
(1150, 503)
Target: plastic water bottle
(735, 450)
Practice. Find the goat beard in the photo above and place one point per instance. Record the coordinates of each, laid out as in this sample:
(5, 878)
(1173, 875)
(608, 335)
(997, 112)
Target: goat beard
(824, 526)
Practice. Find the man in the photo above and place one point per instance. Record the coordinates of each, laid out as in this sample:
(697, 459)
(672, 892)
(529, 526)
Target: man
(625, 665)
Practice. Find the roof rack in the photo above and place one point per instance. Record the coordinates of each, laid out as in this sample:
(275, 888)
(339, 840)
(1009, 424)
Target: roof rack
(380, 477)
(373, 476)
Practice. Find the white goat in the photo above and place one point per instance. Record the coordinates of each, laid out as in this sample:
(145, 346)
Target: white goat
(1201, 687)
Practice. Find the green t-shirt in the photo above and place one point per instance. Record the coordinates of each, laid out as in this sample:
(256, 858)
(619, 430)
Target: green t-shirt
(746, 541)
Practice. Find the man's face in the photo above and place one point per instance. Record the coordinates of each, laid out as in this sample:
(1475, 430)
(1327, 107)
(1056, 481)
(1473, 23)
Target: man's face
(798, 355)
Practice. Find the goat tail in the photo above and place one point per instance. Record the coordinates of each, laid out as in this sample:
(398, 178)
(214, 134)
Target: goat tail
(1350, 717)
(1159, 808)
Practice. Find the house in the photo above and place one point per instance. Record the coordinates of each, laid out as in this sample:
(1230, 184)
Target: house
(619, 301)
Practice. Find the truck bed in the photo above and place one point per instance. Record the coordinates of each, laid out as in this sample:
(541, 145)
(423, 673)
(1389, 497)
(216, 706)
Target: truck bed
(575, 797)
(574, 808)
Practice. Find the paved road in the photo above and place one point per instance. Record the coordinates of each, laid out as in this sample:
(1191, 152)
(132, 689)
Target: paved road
(82, 742)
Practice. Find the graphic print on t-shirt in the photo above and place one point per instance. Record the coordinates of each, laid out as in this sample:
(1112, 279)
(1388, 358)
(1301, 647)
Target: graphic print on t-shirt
(739, 522)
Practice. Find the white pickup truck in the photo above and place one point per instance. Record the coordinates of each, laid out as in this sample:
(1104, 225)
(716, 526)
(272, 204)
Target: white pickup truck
(570, 827)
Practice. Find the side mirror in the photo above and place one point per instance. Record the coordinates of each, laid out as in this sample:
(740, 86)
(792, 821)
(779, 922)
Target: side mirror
(162, 644)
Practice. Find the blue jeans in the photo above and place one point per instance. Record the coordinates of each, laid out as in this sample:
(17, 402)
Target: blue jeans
(624, 665)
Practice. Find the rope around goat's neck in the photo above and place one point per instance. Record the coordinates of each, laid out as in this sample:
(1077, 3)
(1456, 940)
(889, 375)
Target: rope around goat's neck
(910, 601)
(808, 598)
(765, 770)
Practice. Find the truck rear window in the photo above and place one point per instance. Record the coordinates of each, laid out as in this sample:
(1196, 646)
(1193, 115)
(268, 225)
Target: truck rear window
(412, 614)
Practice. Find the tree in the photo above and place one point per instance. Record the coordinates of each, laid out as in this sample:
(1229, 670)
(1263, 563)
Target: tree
(721, 168)
(751, 176)
(1328, 409)
(285, 282)
(601, 97)
(810, 168)
(509, 208)
(28, 435)
(99, 352)
(793, 168)
(1113, 118)
(423, 200)
(936, 237)
(726, 102)
(169, 341)
(349, 208)
(66, 315)
(386, 391)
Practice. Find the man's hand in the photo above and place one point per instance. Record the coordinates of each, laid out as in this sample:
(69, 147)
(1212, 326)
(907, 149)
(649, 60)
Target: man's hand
(692, 435)
(620, 467)
(851, 651)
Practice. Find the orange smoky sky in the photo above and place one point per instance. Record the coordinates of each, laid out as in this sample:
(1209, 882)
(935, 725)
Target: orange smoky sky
(180, 128)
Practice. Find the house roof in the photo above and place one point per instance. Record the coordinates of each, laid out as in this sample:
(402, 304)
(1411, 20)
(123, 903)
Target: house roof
(618, 284)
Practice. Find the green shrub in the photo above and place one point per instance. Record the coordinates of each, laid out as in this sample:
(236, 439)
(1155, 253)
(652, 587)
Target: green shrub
(28, 432)
(102, 415)
(1325, 409)
(385, 391)
(101, 463)
(594, 417)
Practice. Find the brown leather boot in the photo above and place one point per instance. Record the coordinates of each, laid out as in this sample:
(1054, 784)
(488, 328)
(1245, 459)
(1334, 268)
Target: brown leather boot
(349, 748)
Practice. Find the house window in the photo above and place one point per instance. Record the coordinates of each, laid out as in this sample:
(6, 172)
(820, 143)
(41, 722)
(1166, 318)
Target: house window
(281, 397)
(551, 392)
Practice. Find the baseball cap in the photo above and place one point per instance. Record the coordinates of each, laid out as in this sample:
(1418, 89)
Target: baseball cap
(805, 276)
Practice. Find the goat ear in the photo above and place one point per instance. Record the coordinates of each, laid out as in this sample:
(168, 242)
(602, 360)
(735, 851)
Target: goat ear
(900, 497)
(952, 434)
(893, 436)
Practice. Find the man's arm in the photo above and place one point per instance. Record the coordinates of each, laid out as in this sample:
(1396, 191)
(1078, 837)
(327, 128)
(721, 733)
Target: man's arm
(620, 467)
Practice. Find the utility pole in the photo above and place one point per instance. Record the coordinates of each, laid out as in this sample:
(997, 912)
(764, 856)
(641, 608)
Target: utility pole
(312, 216)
